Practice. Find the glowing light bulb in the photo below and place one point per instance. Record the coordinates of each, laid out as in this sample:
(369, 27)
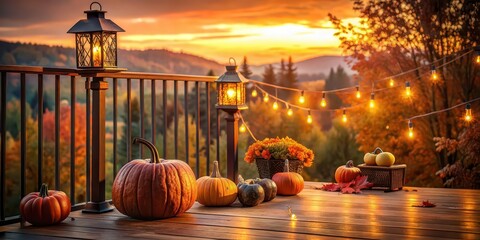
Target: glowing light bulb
(392, 82)
(242, 128)
(410, 129)
(290, 112)
(301, 99)
(468, 113)
(372, 100)
(275, 106)
(254, 93)
(265, 98)
(231, 93)
(358, 95)
(477, 59)
(344, 116)
(408, 91)
(309, 118)
(323, 103)
(434, 73)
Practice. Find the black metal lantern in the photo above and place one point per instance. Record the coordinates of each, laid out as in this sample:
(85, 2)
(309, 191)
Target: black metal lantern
(96, 40)
(231, 90)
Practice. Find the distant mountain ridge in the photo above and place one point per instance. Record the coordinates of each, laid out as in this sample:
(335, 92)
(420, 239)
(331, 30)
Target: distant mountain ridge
(155, 60)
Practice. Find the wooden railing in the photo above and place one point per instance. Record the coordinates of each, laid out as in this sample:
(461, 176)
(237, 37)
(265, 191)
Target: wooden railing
(195, 90)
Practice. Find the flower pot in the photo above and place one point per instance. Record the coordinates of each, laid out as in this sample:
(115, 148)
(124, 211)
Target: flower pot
(268, 168)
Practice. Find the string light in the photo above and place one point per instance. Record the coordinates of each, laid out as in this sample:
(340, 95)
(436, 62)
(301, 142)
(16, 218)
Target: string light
(408, 91)
(372, 100)
(344, 116)
(301, 99)
(309, 118)
(468, 113)
(254, 93)
(242, 128)
(289, 110)
(358, 95)
(392, 82)
(265, 97)
(433, 71)
(410, 129)
(323, 103)
(275, 105)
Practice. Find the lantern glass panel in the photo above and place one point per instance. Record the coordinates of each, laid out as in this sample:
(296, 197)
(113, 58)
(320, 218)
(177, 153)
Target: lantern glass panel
(97, 47)
(83, 50)
(231, 94)
(109, 49)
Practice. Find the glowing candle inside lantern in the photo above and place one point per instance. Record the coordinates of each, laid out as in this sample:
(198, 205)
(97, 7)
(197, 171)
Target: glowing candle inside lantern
(231, 93)
(477, 60)
(97, 56)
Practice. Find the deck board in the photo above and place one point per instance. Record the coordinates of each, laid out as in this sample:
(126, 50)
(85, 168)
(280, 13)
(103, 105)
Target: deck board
(370, 215)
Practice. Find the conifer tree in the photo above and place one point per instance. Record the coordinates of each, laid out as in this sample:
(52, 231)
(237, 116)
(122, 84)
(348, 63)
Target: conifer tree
(245, 69)
(281, 73)
(290, 74)
(269, 75)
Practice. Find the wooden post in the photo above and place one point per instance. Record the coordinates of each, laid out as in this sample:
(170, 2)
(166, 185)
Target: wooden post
(97, 204)
(232, 144)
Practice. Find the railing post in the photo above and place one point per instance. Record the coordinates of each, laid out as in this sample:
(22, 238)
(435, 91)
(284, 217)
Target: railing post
(97, 204)
(232, 145)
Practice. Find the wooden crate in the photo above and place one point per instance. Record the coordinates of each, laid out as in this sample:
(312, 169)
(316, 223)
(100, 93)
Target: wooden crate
(385, 178)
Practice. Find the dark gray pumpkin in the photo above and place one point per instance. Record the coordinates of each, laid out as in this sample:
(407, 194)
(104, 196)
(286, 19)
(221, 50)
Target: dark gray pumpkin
(269, 187)
(250, 194)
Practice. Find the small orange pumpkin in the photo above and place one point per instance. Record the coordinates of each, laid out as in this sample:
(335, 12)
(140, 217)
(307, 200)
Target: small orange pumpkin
(347, 173)
(215, 190)
(288, 183)
(45, 207)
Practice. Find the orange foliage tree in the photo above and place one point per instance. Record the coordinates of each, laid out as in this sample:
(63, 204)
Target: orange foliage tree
(393, 37)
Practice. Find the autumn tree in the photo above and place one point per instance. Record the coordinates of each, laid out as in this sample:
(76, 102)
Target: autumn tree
(393, 37)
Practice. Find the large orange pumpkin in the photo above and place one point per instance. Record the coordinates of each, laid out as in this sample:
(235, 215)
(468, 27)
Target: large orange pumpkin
(215, 190)
(45, 207)
(288, 183)
(154, 189)
(347, 173)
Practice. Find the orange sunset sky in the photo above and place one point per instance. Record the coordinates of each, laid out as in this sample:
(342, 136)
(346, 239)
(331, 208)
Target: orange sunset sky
(263, 30)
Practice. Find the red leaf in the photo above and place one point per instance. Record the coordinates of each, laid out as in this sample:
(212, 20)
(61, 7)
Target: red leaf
(348, 190)
(332, 187)
(426, 204)
(361, 183)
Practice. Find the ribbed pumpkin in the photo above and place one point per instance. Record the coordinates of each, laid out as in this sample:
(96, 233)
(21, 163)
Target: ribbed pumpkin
(154, 189)
(215, 190)
(269, 187)
(250, 194)
(45, 207)
(347, 173)
(288, 183)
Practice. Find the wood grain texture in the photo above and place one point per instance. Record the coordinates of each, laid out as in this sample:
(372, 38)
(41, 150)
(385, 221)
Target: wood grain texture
(370, 215)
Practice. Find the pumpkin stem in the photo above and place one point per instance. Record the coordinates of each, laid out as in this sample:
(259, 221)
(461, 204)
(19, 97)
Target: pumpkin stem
(286, 168)
(216, 171)
(349, 164)
(240, 179)
(377, 149)
(150, 146)
(43, 190)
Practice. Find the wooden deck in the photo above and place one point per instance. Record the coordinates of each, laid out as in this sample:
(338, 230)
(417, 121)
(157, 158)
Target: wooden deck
(370, 215)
